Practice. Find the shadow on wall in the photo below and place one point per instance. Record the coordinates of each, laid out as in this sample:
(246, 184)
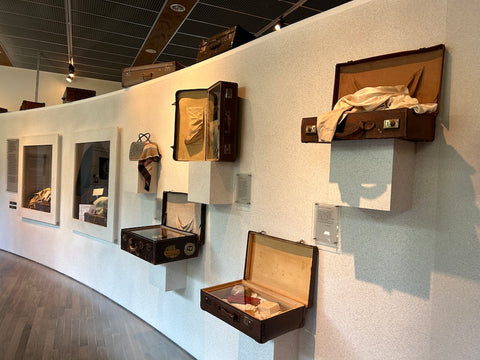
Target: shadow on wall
(457, 247)
(399, 251)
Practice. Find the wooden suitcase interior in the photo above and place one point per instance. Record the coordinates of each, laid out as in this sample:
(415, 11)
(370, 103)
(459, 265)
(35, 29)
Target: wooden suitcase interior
(277, 270)
(192, 111)
(420, 70)
(206, 123)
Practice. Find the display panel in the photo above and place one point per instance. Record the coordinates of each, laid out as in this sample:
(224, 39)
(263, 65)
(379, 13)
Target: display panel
(38, 180)
(94, 183)
(37, 177)
(91, 182)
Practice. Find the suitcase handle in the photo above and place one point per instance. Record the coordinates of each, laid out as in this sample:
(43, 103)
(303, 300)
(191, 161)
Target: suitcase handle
(364, 127)
(214, 46)
(147, 78)
(227, 313)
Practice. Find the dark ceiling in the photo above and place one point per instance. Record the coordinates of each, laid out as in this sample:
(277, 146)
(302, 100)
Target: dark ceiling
(108, 35)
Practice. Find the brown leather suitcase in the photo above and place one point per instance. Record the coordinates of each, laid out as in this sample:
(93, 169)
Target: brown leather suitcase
(27, 105)
(278, 286)
(74, 94)
(226, 40)
(421, 70)
(3, 110)
(139, 74)
(206, 123)
(179, 237)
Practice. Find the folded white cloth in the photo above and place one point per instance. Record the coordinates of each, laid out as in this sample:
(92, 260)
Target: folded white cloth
(368, 99)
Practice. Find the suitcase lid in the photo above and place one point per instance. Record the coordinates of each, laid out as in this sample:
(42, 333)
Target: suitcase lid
(420, 70)
(285, 267)
(195, 111)
(179, 213)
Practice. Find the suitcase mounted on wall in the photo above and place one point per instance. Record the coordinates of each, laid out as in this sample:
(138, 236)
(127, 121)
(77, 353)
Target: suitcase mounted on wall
(278, 286)
(206, 123)
(178, 238)
(27, 105)
(74, 94)
(421, 70)
(226, 40)
(139, 74)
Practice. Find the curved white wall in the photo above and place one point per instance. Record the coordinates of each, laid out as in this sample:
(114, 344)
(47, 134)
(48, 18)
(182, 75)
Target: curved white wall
(406, 285)
(18, 84)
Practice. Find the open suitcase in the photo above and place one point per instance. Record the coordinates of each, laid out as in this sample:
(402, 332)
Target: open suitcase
(420, 70)
(178, 238)
(206, 123)
(277, 287)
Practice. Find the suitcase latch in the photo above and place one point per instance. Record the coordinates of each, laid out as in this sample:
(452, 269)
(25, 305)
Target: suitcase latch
(391, 123)
(247, 322)
(311, 129)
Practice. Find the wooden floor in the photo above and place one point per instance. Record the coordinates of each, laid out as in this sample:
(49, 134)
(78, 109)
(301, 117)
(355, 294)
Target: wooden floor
(46, 315)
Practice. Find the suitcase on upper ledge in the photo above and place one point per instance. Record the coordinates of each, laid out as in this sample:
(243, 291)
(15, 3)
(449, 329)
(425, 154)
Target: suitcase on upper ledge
(27, 105)
(206, 123)
(421, 70)
(226, 40)
(178, 238)
(74, 94)
(139, 74)
(278, 286)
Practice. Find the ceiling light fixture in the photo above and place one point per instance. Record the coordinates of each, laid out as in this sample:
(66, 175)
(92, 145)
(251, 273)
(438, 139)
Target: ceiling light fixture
(151, 51)
(178, 8)
(280, 24)
(71, 71)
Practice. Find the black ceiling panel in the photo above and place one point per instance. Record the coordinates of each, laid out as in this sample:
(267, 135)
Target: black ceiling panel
(323, 5)
(107, 35)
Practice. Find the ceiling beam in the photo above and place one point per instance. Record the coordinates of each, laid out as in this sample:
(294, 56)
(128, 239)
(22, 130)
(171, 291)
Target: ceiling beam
(4, 60)
(165, 27)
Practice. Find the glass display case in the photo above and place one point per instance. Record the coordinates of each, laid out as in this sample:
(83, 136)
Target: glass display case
(95, 167)
(38, 181)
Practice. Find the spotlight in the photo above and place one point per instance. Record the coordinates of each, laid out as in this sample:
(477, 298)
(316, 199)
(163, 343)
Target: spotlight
(280, 24)
(71, 72)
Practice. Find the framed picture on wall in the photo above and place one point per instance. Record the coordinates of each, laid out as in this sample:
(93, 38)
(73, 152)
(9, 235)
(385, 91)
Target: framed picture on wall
(38, 178)
(95, 166)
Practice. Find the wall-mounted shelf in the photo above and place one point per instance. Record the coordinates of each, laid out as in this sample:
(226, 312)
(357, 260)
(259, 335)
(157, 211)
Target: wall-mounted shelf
(210, 182)
(372, 174)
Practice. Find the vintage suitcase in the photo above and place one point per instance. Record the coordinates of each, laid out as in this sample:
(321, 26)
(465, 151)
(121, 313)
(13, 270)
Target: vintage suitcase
(206, 123)
(226, 40)
(179, 237)
(3, 110)
(420, 70)
(138, 74)
(277, 287)
(27, 105)
(74, 94)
